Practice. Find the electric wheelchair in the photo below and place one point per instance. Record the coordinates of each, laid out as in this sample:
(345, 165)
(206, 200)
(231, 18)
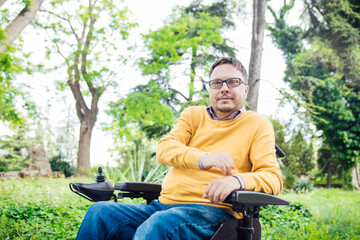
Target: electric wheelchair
(246, 202)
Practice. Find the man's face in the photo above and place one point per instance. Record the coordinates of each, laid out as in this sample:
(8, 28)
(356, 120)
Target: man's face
(226, 100)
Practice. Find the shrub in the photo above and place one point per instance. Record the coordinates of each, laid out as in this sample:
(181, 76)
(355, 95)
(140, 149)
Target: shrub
(140, 166)
(293, 216)
(303, 185)
(58, 164)
(3, 168)
(289, 177)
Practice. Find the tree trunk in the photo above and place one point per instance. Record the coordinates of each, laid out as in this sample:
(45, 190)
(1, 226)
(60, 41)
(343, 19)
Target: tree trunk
(329, 175)
(83, 156)
(87, 117)
(259, 7)
(2, 2)
(14, 29)
(192, 76)
(355, 177)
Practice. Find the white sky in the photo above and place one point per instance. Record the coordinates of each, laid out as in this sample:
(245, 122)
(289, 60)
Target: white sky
(150, 15)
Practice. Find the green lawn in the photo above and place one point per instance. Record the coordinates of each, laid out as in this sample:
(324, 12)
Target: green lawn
(335, 215)
(47, 209)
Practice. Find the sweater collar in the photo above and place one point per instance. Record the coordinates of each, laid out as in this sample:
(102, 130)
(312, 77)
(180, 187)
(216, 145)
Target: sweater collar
(233, 115)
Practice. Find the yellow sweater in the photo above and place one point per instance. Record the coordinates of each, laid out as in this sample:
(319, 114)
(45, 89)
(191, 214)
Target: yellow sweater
(248, 139)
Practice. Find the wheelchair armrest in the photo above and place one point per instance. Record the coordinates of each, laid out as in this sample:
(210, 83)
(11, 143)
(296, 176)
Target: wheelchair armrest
(97, 191)
(147, 191)
(244, 199)
(138, 187)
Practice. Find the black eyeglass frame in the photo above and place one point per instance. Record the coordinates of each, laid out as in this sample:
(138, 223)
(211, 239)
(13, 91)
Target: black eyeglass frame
(226, 81)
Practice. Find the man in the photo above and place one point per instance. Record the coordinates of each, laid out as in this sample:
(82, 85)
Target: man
(212, 151)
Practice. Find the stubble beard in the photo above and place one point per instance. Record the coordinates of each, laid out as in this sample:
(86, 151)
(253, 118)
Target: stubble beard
(225, 110)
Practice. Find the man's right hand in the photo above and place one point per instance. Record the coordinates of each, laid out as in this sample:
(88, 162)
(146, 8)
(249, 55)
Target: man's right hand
(222, 160)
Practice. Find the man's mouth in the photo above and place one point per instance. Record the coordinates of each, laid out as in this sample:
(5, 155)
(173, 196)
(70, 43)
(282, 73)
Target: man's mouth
(225, 98)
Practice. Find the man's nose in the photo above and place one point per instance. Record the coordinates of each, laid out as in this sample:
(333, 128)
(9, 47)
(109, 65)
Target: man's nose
(225, 88)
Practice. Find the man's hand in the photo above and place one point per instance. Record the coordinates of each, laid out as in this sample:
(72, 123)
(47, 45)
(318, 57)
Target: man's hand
(218, 189)
(222, 160)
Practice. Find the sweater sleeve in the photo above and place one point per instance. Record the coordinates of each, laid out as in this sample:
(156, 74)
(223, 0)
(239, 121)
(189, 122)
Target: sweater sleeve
(265, 172)
(172, 150)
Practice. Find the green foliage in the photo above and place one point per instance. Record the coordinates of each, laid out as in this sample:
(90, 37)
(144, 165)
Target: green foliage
(299, 159)
(142, 113)
(333, 107)
(137, 164)
(303, 185)
(288, 177)
(293, 216)
(16, 104)
(58, 163)
(40, 209)
(338, 25)
(47, 209)
(324, 73)
(14, 149)
(88, 46)
(10, 94)
(321, 214)
(192, 37)
(287, 38)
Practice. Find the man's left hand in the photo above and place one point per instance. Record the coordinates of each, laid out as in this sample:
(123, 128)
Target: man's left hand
(218, 189)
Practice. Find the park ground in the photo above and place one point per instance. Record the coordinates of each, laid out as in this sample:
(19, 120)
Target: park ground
(47, 209)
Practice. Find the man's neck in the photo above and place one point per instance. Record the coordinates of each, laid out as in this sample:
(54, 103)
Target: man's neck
(224, 115)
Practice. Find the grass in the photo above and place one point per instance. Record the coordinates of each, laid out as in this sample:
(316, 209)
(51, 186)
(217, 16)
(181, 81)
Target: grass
(40, 209)
(47, 209)
(335, 214)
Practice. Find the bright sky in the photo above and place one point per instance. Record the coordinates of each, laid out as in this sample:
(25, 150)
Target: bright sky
(150, 15)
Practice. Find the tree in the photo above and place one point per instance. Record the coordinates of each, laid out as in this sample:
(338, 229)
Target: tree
(328, 164)
(190, 40)
(141, 114)
(258, 28)
(14, 149)
(320, 75)
(299, 150)
(87, 38)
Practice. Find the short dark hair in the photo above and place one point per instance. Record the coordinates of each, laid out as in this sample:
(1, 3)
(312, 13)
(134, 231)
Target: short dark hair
(229, 60)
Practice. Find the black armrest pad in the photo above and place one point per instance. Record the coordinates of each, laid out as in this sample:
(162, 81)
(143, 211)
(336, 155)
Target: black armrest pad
(251, 198)
(138, 186)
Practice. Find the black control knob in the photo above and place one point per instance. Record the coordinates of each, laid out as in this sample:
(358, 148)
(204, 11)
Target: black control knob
(100, 177)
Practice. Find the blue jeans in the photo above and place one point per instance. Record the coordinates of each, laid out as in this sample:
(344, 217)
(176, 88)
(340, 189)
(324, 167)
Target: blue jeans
(109, 220)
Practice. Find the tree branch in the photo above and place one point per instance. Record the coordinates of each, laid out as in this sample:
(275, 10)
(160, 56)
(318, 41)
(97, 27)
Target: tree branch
(65, 19)
(14, 29)
(173, 89)
(85, 52)
(75, 88)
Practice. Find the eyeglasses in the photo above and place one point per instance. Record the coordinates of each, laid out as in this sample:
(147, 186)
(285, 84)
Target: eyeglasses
(231, 83)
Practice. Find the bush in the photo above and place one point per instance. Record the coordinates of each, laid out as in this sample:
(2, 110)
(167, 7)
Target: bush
(289, 177)
(140, 166)
(58, 164)
(303, 185)
(3, 168)
(6, 169)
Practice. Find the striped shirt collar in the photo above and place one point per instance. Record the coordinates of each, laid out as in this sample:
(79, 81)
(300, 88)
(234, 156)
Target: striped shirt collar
(233, 115)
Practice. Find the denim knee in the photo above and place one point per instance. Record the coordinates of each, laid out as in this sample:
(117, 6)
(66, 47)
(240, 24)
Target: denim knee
(97, 210)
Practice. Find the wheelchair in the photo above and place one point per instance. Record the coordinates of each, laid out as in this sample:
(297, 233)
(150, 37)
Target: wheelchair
(246, 202)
